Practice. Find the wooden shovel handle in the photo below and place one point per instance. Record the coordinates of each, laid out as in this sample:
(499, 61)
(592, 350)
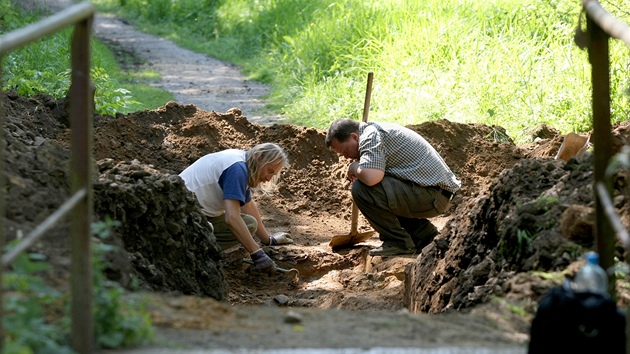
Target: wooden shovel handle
(366, 110)
(355, 218)
(368, 93)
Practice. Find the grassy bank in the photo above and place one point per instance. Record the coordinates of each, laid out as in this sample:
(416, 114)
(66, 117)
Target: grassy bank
(497, 62)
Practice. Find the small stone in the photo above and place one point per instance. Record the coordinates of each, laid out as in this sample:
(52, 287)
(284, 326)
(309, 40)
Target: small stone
(281, 300)
(293, 317)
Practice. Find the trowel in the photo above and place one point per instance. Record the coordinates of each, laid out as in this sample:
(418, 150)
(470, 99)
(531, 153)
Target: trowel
(292, 273)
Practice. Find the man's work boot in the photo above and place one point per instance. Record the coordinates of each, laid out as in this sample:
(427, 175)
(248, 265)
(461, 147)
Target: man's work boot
(388, 249)
(424, 234)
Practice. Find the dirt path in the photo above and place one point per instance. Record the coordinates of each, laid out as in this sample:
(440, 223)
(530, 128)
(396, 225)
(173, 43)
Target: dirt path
(192, 78)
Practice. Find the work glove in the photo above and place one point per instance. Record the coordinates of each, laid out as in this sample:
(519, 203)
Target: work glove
(262, 262)
(280, 238)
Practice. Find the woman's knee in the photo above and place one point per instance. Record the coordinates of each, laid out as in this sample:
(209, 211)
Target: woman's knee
(251, 222)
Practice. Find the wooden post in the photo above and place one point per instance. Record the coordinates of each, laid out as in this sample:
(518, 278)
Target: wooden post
(80, 163)
(598, 53)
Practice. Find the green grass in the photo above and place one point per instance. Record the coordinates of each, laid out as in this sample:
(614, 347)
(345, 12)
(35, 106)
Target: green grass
(496, 62)
(43, 67)
(135, 81)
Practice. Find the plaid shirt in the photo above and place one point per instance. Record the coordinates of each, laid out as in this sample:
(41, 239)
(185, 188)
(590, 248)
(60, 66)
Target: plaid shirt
(404, 154)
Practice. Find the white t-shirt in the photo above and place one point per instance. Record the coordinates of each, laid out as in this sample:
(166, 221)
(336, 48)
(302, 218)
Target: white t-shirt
(218, 176)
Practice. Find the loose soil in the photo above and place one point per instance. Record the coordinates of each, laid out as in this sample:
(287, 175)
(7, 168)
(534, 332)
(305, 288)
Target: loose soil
(520, 213)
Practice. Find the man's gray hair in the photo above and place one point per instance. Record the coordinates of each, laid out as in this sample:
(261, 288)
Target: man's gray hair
(340, 130)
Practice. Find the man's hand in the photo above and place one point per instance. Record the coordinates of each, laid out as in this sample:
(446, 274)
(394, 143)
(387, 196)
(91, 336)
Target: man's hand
(280, 238)
(262, 262)
(352, 171)
(369, 176)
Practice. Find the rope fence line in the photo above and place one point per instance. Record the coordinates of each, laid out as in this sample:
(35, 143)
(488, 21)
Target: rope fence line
(79, 205)
(39, 231)
(609, 208)
(610, 24)
(601, 26)
(619, 30)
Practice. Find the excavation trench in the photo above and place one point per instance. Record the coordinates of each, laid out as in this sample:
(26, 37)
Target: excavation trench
(346, 279)
(163, 244)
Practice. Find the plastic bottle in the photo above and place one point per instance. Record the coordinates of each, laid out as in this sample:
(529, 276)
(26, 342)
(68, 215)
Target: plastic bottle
(591, 278)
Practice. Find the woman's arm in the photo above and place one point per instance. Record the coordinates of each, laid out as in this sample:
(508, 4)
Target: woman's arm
(237, 225)
(251, 209)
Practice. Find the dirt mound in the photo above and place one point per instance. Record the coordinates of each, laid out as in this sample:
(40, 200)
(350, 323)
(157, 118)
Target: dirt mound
(513, 229)
(164, 237)
(505, 222)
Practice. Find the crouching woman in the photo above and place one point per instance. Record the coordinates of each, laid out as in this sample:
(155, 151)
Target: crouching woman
(223, 183)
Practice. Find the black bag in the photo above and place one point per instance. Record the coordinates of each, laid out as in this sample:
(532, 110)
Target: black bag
(577, 322)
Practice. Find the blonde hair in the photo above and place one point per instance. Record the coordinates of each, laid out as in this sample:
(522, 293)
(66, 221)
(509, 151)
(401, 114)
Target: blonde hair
(261, 155)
